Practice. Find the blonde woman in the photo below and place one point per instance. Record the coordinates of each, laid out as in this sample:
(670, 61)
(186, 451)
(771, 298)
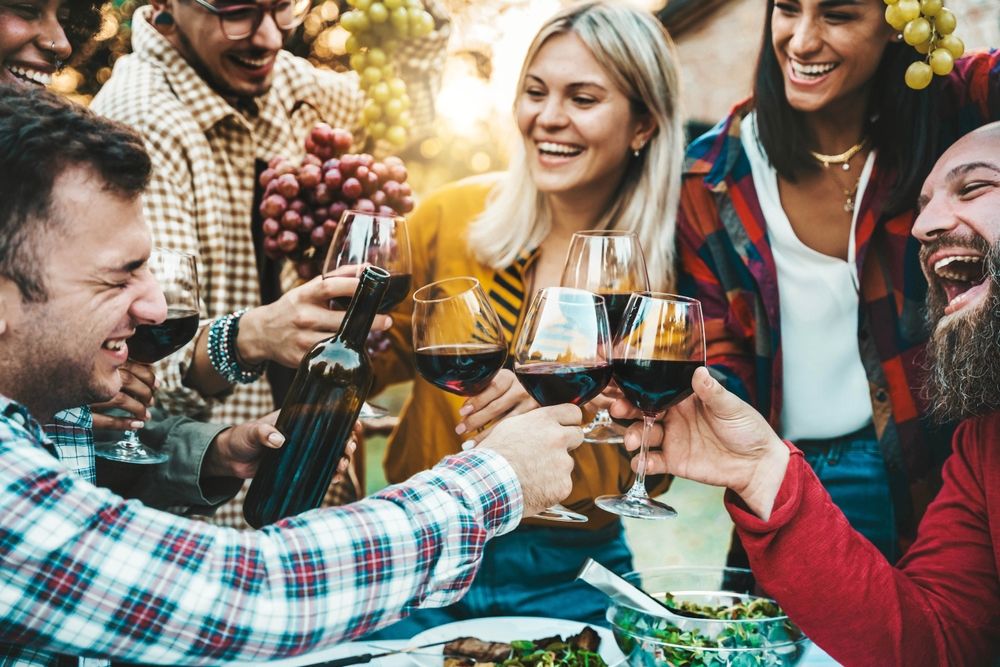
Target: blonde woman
(601, 147)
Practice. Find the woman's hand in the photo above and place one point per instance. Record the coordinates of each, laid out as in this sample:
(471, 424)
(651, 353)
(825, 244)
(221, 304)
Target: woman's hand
(504, 397)
(715, 438)
(134, 397)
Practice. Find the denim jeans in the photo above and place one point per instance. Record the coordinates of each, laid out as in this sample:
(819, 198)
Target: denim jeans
(531, 572)
(853, 471)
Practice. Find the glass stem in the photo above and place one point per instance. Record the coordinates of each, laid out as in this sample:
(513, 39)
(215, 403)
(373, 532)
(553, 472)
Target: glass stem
(638, 489)
(130, 440)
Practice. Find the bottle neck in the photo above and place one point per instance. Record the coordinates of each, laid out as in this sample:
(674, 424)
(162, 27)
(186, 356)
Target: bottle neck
(364, 305)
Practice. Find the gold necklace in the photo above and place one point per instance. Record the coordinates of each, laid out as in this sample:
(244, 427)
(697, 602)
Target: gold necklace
(840, 158)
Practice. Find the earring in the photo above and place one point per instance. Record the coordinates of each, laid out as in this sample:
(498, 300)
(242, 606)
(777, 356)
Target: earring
(636, 152)
(163, 19)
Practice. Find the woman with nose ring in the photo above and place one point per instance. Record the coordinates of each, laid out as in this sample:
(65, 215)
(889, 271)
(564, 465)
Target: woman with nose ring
(794, 232)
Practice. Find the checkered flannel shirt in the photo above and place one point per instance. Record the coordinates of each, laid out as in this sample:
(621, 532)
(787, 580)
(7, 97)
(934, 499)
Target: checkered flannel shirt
(85, 573)
(204, 152)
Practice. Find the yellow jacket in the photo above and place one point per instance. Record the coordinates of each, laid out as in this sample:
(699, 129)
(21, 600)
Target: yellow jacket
(426, 432)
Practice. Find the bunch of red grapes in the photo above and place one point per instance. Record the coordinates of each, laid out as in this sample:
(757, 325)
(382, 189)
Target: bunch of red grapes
(302, 204)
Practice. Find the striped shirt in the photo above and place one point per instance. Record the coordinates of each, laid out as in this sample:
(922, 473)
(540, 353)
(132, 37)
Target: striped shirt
(86, 573)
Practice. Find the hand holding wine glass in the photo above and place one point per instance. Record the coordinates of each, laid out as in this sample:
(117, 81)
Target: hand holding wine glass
(658, 348)
(178, 277)
(562, 354)
(610, 263)
(364, 239)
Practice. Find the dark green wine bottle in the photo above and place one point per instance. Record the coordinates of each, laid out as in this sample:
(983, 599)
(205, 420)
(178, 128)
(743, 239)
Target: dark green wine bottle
(331, 384)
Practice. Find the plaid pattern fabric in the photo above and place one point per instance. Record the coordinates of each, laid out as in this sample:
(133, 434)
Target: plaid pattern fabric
(71, 432)
(86, 573)
(726, 262)
(201, 197)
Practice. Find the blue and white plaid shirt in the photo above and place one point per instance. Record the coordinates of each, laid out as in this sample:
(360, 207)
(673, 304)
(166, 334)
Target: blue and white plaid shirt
(86, 573)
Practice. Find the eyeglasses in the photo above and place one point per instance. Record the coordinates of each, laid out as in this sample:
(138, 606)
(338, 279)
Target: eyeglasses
(241, 21)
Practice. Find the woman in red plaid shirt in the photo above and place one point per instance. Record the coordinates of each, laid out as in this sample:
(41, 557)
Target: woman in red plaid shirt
(794, 232)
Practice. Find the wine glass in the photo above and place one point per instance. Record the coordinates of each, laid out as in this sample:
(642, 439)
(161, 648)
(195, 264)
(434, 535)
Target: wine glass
(363, 239)
(457, 337)
(610, 263)
(660, 344)
(563, 355)
(177, 274)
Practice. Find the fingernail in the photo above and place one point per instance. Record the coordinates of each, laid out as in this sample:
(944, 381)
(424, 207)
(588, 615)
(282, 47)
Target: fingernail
(460, 429)
(468, 444)
(465, 410)
(276, 439)
(147, 416)
(156, 383)
(388, 322)
(136, 424)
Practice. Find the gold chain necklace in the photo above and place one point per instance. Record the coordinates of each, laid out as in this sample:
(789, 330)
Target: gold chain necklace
(840, 158)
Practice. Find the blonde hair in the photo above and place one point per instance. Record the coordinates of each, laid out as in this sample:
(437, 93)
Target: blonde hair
(640, 58)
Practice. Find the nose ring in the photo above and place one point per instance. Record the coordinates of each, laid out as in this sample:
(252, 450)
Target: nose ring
(52, 46)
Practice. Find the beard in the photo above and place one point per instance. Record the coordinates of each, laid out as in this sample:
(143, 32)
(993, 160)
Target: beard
(964, 352)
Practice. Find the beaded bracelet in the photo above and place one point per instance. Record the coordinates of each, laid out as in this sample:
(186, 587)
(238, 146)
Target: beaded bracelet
(222, 352)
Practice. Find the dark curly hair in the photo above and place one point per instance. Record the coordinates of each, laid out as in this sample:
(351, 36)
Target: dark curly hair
(41, 135)
(83, 21)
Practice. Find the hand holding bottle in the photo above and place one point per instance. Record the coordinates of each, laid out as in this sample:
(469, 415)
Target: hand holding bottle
(287, 329)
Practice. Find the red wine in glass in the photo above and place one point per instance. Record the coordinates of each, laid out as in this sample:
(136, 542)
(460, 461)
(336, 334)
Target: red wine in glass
(608, 262)
(552, 384)
(658, 347)
(562, 355)
(653, 385)
(178, 277)
(395, 294)
(465, 369)
(152, 342)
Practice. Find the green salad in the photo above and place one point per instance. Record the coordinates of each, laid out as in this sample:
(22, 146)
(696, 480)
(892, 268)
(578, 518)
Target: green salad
(556, 654)
(700, 642)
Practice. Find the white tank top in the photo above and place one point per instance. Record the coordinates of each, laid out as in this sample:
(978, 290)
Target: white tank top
(825, 388)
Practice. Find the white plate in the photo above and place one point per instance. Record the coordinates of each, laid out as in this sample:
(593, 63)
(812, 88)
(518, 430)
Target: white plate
(507, 629)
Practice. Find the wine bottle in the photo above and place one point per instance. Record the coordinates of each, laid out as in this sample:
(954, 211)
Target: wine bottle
(332, 381)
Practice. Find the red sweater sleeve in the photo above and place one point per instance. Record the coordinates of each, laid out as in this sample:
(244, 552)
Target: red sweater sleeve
(940, 606)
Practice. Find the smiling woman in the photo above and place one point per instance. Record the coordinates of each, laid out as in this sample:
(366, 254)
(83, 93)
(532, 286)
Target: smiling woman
(817, 178)
(37, 37)
(600, 147)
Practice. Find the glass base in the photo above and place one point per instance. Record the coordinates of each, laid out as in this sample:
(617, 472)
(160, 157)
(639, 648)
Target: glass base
(635, 507)
(125, 452)
(559, 513)
(369, 411)
(604, 434)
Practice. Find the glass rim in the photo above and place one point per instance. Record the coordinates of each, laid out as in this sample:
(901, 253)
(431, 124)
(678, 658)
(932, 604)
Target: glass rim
(664, 296)
(374, 216)
(598, 233)
(558, 289)
(474, 284)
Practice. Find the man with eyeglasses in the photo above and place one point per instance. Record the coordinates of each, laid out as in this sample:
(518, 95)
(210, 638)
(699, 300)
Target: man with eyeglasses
(214, 94)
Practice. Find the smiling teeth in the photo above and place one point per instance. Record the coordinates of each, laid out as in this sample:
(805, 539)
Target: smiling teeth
(812, 70)
(115, 344)
(558, 149)
(254, 62)
(41, 78)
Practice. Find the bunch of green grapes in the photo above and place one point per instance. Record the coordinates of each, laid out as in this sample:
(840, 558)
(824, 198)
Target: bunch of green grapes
(376, 27)
(929, 28)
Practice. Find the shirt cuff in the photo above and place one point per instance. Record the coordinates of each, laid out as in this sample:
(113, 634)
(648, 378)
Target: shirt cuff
(786, 503)
(489, 479)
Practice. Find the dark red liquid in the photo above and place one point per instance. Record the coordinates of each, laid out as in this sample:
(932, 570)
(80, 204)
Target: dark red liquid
(552, 384)
(152, 342)
(399, 289)
(615, 304)
(653, 385)
(465, 370)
